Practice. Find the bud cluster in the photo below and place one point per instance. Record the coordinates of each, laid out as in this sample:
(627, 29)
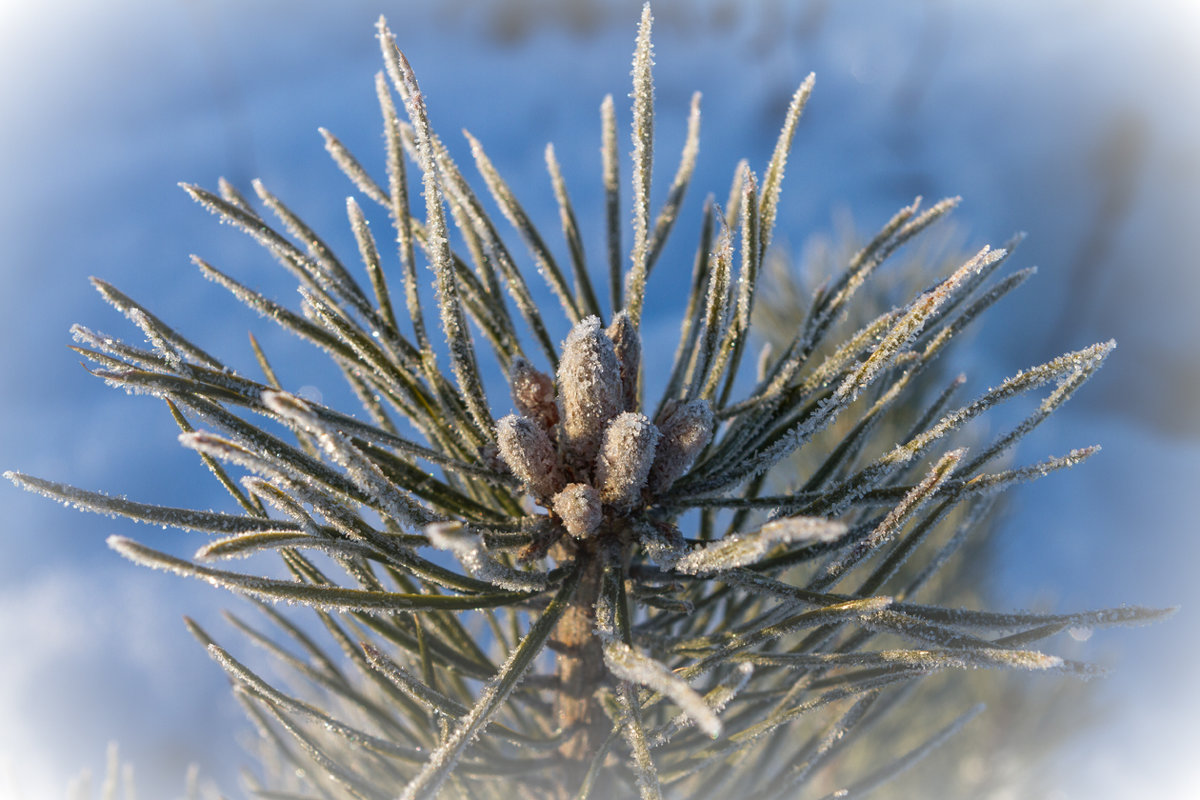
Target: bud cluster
(578, 442)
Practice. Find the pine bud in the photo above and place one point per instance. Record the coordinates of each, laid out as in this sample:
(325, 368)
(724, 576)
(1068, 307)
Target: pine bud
(525, 447)
(685, 432)
(628, 347)
(625, 458)
(589, 388)
(533, 393)
(578, 505)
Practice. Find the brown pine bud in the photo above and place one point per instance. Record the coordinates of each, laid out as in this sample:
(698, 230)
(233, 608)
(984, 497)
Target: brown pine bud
(533, 393)
(628, 347)
(625, 458)
(589, 389)
(525, 447)
(685, 432)
(578, 505)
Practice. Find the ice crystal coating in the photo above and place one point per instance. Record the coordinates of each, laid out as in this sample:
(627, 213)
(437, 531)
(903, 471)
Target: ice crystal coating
(627, 663)
(628, 347)
(468, 548)
(589, 388)
(626, 456)
(578, 505)
(533, 393)
(662, 543)
(526, 448)
(685, 432)
(746, 548)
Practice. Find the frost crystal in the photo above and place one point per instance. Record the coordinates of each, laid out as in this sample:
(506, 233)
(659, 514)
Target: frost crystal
(526, 448)
(746, 548)
(578, 504)
(630, 665)
(533, 393)
(589, 388)
(468, 548)
(685, 432)
(628, 348)
(625, 458)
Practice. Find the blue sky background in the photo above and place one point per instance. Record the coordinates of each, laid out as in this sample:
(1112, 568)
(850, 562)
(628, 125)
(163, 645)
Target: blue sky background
(1073, 120)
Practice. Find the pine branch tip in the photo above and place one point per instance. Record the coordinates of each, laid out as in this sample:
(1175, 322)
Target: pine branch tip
(621, 552)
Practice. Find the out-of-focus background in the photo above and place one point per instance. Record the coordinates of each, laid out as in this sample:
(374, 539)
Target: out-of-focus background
(1073, 120)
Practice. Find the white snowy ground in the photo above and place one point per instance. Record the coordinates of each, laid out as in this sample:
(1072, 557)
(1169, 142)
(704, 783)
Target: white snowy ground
(1073, 120)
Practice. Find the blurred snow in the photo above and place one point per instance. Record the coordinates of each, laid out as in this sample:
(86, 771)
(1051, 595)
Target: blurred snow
(1075, 120)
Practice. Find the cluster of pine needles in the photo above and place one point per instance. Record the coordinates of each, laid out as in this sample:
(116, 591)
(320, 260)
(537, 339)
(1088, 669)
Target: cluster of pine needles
(635, 613)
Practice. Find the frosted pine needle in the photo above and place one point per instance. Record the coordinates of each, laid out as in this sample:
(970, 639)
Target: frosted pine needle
(468, 548)
(740, 549)
(627, 664)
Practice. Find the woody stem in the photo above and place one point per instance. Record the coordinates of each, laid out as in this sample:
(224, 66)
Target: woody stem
(579, 664)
